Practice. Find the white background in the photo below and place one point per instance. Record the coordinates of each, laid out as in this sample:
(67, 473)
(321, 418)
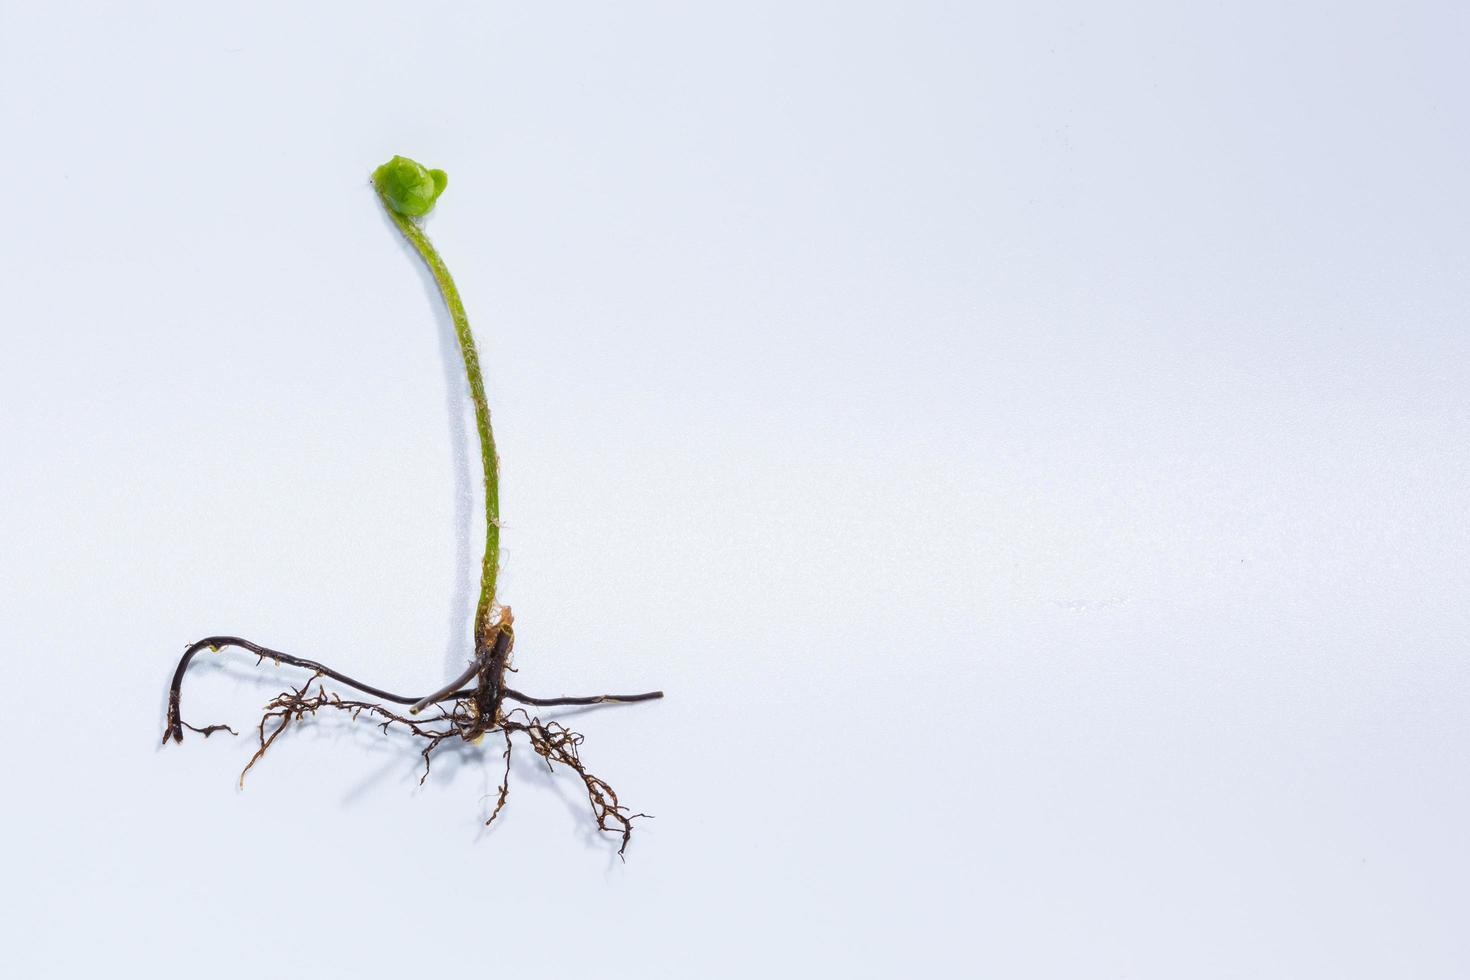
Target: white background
(1028, 444)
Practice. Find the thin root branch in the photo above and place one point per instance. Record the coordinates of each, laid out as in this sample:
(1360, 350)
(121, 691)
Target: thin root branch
(504, 780)
(209, 730)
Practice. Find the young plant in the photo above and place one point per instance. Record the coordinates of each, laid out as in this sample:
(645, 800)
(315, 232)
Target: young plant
(474, 703)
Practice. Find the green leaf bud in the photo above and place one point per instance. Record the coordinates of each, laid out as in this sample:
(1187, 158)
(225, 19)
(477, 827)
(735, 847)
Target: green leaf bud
(408, 187)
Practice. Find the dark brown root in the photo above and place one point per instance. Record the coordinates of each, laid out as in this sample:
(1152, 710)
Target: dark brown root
(487, 695)
(469, 714)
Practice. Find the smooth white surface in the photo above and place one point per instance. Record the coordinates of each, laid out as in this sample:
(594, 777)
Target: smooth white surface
(1028, 445)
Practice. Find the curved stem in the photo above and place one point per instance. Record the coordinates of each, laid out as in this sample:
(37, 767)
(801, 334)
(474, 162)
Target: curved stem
(491, 562)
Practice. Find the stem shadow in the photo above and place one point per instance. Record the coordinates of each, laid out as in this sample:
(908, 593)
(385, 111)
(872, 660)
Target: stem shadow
(457, 650)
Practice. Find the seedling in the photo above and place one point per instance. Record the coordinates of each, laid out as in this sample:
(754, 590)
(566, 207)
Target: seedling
(473, 704)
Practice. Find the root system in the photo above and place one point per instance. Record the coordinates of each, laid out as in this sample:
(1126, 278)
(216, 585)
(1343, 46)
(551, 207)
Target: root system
(458, 712)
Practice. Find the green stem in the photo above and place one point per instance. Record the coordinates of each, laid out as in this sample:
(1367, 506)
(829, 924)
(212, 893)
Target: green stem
(491, 462)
